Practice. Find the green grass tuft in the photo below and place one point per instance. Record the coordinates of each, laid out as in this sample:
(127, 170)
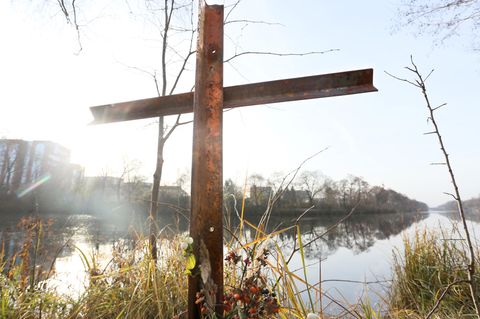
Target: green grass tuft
(429, 263)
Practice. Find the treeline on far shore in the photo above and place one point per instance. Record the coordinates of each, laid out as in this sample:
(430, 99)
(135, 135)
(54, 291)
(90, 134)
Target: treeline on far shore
(310, 190)
(313, 191)
(472, 204)
(471, 207)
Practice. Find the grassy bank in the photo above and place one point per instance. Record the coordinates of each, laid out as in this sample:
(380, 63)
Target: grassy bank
(258, 280)
(432, 266)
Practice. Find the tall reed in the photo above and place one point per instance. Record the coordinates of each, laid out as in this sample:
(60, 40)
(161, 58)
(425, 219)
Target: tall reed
(431, 262)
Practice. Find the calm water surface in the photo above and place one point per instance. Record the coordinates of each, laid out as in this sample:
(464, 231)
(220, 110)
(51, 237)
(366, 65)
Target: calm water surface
(352, 260)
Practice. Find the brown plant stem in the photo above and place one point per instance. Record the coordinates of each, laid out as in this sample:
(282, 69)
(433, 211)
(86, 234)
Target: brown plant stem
(419, 82)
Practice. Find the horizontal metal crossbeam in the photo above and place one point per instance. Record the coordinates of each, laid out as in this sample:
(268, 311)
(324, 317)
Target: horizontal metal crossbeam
(310, 87)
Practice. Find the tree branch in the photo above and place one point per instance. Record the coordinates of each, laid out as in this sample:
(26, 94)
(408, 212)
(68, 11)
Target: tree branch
(444, 293)
(246, 21)
(419, 79)
(236, 55)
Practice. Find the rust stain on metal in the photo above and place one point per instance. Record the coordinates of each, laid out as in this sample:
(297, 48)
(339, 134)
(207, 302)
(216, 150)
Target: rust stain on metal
(207, 185)
(310, 87)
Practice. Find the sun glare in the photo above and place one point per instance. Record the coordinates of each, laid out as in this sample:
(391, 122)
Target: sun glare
(36, 183)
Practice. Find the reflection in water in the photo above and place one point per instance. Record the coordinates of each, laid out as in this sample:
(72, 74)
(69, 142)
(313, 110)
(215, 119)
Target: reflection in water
(359, 249)
(62, 243)
(357, 233)
(346, 265)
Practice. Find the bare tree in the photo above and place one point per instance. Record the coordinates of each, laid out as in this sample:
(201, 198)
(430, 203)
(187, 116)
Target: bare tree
(183, 180)
(134, 187)
(103, 181)
(169, 7)
(163, 15)
(442, 18)
(313, 182)
(419, 82)
(352, 190)
(9, 157)
(129, 170)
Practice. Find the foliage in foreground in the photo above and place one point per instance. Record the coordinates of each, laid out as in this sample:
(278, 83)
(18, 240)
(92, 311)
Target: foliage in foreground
(258, 281)
(130, 286)
(430, 262)
(22, 274)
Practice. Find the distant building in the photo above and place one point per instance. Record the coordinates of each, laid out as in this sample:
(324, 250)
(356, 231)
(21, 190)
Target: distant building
(302, 196)
(23, 163)
(295, 198)
(260, 195)
(136, 190)
(106, 187)
(105, 190)
(172, 195)
(172, 192)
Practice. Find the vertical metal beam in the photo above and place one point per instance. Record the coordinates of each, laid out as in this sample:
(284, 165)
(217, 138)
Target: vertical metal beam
(207, 184)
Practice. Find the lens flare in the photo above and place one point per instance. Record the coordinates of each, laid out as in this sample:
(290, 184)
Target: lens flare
(41, 180)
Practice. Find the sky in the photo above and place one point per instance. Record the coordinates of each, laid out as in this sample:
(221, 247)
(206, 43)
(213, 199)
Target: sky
(47, 87)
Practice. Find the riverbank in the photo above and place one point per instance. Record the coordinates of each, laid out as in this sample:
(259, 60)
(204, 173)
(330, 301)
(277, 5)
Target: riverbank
(124, 282)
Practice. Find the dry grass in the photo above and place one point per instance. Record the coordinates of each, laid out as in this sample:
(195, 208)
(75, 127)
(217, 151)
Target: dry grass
(258, 280)
(429, 263)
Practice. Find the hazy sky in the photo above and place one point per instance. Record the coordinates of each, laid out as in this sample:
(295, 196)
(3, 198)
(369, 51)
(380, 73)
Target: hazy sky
(46, 91)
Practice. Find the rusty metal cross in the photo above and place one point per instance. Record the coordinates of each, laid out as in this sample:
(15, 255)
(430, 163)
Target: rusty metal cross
(207, 104)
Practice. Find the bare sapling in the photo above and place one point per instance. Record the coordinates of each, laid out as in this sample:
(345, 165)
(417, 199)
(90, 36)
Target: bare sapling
(419, 82)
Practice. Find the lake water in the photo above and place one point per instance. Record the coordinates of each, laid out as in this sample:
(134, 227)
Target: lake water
(353, 260)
